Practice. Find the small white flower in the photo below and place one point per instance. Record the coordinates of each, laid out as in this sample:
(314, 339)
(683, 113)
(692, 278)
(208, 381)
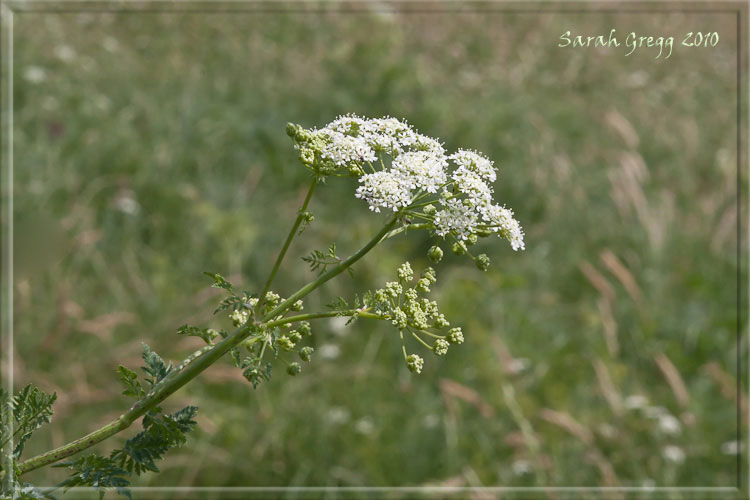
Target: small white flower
(456, 217)
(424, 169)
(673, 453)
(384, 189)
(500, 219)
(475, 162)
(343, 149)
(364, 426)
(470, 184)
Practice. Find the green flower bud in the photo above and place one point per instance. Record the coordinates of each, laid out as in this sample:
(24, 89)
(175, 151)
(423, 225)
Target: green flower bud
(398, 318)
(429, 274)
(459, 248)
(405, 272)
(286, 343)
(455, 335)
(293, 369)
(272, 299)
(291, 129)
(423, 285)
(411, 294)
(393, 289)
(429, 209)
(305, 353)
(212, 334)
(295, 336)
(435, 254)
(414, 363)
(307, 156)
(239, 317)
(304, 328)
(472, 239)
(297, 306)
(440, 348)
(482, 262)
(441, 322)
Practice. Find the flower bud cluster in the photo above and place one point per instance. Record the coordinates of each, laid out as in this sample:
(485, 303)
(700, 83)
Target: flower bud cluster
(400, 303)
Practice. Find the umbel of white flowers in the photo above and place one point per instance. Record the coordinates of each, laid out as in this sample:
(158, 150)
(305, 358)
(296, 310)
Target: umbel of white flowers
(399, 168)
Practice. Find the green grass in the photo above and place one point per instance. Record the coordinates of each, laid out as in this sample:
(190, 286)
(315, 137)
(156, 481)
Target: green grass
(621, 170)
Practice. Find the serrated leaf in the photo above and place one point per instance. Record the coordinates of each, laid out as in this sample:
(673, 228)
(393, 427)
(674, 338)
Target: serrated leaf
(193, 331)
(155, 366)
(32, 408)
(130, 380)
(160, 433)
(233, 302)
(219, 281)
(97, 471)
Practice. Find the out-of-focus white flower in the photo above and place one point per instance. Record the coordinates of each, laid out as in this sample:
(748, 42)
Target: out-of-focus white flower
(364, 426)
(668, 424)
(34, 74)
(329, 351)
(731, 448)
(673, 453)
(635, 402)
(520, 467)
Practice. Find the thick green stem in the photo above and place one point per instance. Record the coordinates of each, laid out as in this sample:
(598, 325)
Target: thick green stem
(190, 368)
(289, 238)
(193, 365)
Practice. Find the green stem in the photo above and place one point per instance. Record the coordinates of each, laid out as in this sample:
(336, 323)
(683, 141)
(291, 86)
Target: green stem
(288, 242)
(362, 313)
(401, 229)
(192, 366)
(335, 271)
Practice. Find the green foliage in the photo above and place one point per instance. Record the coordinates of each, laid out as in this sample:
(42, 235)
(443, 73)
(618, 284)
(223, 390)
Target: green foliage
(207, 334)
(130, 380)
(155, 366)
(32, 408)
(320, 261)
(160, 433)
(98, 472)
(219, 281)
(256, 371)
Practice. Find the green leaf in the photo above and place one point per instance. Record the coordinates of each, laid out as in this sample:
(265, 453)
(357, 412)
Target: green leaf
(155, 366)
(206, 334)
(256, 374)
(32, 408)
(219, 281)
(160, 433)
(130, 380)
(97, 471)
(233, 302)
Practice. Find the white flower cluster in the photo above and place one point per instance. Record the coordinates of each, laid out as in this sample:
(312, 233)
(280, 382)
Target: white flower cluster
(398, 168)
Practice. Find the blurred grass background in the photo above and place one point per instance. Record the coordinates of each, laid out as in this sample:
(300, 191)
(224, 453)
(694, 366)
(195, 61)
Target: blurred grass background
(150, 147)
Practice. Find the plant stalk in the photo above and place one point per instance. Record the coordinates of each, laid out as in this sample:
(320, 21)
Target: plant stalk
(195, 364)
(287, 243)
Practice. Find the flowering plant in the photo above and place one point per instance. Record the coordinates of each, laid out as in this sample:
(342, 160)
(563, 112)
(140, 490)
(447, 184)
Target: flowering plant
(399, 171)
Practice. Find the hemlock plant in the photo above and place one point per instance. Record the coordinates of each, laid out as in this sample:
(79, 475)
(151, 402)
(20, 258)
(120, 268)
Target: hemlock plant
(406, 176)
